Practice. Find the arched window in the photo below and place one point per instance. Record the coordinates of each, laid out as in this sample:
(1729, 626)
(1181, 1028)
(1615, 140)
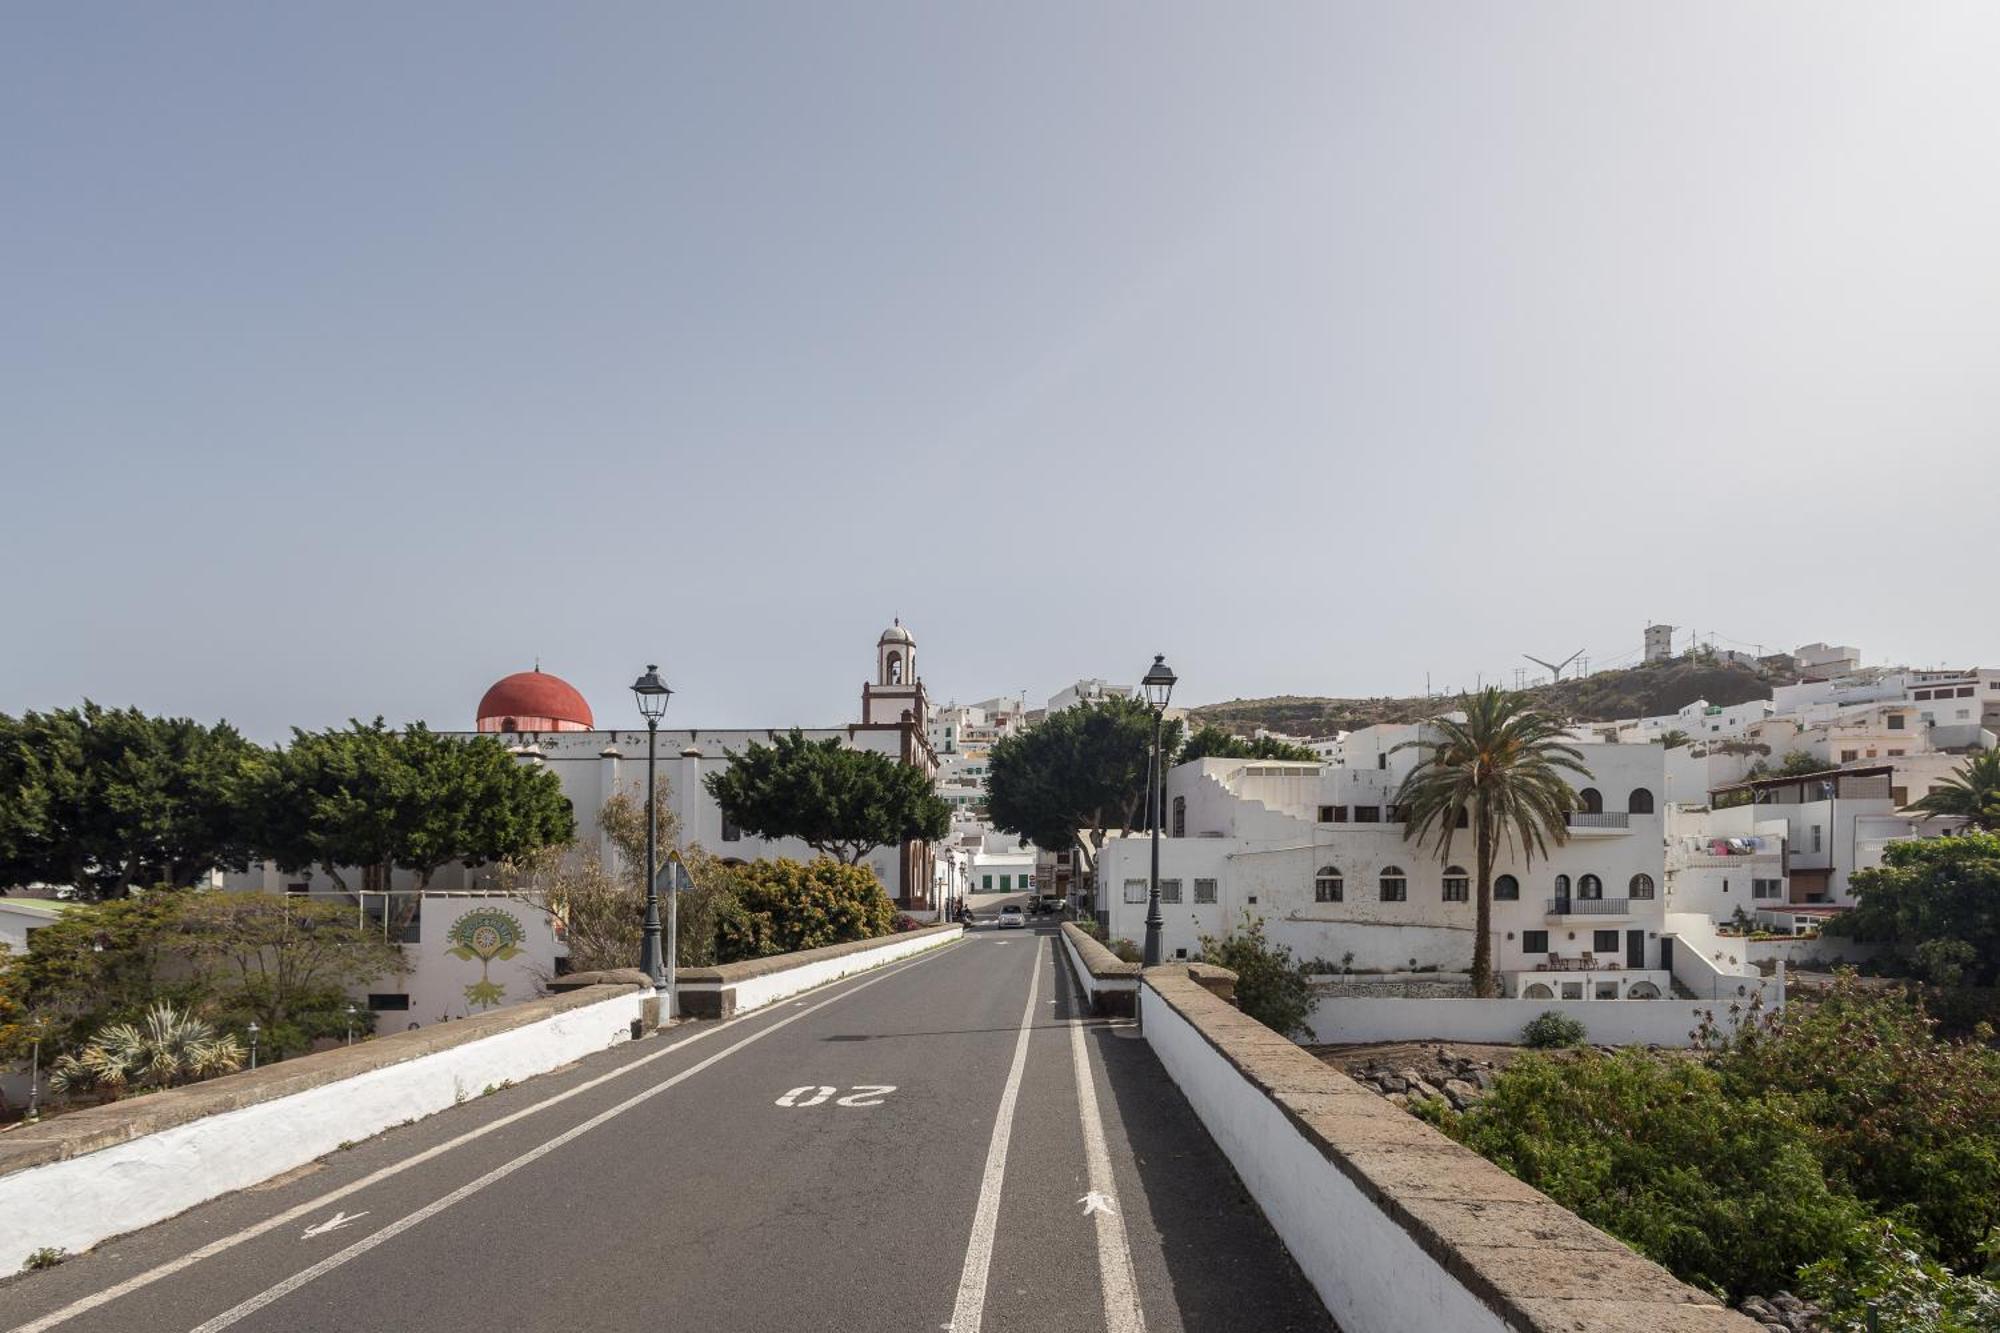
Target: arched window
(1640, 802)
(1457, 884)
(1395, 884)
(1180, 817)
(1642, 886)
(1562, 888)
(1537, 990)
(895, 668)
(510, 724)
(1590, 801)
(1328, 886)
(1642, 990)
(1506, 889)
(1590, 886)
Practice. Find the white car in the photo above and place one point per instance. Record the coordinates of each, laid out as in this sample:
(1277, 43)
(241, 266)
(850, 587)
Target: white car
(1011, 918)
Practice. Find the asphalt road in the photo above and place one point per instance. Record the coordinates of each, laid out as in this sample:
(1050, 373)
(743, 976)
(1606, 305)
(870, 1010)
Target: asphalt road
(908, 1149)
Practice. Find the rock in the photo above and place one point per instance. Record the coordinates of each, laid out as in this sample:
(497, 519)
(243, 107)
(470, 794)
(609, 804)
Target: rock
(1758, 1308)
(1484, 1079)
(1419, 1088)
(1393, 1083)
(1462, 1094)
(1399, 1099)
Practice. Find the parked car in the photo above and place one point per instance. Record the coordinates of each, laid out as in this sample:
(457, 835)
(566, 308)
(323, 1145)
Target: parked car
(1011, 918)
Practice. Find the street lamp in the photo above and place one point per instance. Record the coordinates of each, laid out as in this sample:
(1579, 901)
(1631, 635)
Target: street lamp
(252, 1030)
(652, 692)
(35, 1075)
(350, 1024)
(1158, 684)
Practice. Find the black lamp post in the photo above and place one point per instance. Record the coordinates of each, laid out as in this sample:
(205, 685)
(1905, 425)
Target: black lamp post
(1158, 684)
(652, 692)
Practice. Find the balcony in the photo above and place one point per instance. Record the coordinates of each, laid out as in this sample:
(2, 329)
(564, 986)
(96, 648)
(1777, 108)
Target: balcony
(1596, 822)
(1590, 906)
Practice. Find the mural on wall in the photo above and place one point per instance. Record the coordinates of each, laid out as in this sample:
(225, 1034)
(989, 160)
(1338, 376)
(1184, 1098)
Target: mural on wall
(487, 934)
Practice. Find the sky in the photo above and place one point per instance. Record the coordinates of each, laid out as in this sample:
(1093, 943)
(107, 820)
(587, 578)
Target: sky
(353, 356)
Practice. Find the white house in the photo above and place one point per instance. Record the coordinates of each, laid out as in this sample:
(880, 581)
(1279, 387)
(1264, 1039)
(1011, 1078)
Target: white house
(1317, 852)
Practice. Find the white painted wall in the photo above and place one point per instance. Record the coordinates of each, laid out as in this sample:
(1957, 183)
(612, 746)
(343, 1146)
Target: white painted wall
(774, 986)
(74, 1204)
(1609, 1022)
(1371, 1275)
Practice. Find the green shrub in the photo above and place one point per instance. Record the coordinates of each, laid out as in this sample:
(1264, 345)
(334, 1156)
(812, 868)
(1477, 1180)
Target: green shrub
(1551, 1029)
(1127, 951)
(1724, 1191)
(786, 906)
(1271, 985)
(1886, 1270)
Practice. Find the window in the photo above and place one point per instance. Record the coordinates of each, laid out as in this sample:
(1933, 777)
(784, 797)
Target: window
(1607, 990)
(1767, 888)
(1590, 886)
(1507, 889)
(1170, 890)
(1895, 721)
(1180, 817)
(1899, 796)
(1328, 887)
(1640, 802)
(1367, 814)
(1382, 760)
(1326, 814)
(1604, 941)
(1815, 837)
(986, 883)
(1340, 814)
(387, 1003)
(1964, 692)
(1006, 883)
(1591, 801)
(1534, 941)
(1457, 886)
(1204, 890)
(1393, 814)
(1135, 890)
(1395, 884)
(1922, 694)
(1849, 756)
(731, 833)
(1642, 886)
(1562, 886)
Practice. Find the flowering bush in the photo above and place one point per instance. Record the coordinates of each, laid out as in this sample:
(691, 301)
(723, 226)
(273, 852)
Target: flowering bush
(787, 906)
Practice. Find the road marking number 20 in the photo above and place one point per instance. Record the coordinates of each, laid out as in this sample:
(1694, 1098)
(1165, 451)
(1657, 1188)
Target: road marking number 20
(865, 1094)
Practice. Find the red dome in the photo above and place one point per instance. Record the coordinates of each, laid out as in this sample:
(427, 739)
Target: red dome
(534, 701)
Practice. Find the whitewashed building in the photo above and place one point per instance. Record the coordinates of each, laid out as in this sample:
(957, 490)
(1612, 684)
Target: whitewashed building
(1317, 853)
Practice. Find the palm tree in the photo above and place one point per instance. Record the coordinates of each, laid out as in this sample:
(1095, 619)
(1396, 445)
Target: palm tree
(1501, 771)
(1972, 793)
(167, 1047)
(1674, 738)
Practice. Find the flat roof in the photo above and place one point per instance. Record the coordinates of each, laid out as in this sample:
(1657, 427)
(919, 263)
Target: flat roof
(1758, 784)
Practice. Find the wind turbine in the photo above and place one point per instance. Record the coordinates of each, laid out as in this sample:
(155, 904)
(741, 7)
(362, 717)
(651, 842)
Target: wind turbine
(1555, 671)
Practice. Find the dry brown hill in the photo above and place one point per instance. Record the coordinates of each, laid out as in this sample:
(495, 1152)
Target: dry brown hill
(1640, 691)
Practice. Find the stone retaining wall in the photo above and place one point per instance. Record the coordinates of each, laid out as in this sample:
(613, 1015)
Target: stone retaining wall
(1399, 1228)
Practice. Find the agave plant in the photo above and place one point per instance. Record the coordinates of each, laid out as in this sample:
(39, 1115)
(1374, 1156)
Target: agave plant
(167, 1047)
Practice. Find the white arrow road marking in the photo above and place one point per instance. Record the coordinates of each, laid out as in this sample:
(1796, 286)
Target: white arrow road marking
(1094, 1202)
(334, 1223)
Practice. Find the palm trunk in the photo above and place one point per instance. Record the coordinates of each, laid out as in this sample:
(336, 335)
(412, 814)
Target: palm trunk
(1482, 944)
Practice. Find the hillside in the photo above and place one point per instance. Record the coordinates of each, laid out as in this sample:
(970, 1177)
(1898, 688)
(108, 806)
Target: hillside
(1640, 691)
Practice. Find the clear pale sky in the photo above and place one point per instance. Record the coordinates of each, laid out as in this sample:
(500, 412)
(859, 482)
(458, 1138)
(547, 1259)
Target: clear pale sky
(353, 355)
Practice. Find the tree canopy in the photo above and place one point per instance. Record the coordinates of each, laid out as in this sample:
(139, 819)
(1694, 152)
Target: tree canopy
(1938, 899)
(111, 799)
(839, 801)
(1212, 742)
(1075, 774)
(370, 796)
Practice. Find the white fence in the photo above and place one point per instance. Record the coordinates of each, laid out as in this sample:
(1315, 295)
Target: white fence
(1342, 1020)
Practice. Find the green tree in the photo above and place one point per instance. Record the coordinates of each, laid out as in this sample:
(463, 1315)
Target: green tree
(275, 957)
(1212, 742)
(1500, 771)
(1933, 889)
(1075, 775)
(110, 800)
(1673, 738)
(839, 801)
(1271, 985)
(101, 962)
(788, 906)
(373, 797)
(1972, 793)
(1799, 764)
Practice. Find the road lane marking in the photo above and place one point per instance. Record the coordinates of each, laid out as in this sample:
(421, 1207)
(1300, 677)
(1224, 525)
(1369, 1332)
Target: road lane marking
(820, 1092)
(85, 1304)
(1122, 1313)
(970, 1307)
(244, 1309)
(867, 1094)
(334, 1223)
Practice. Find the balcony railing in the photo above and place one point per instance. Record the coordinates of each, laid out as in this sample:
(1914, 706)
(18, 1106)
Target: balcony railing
(1589, 906)
(1599, 819)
